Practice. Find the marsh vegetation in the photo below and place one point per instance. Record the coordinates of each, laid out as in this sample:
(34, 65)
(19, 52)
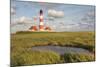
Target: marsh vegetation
(23, 42)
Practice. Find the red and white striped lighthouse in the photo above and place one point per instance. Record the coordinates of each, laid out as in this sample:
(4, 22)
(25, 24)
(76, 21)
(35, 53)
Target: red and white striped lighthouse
(41, 24)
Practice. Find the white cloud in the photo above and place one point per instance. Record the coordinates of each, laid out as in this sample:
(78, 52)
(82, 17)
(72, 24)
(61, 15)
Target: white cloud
(70, 26)
(89, 17)
(21, 20)
(50, 18)
(13, 11)
(56, 14)
(92, 13)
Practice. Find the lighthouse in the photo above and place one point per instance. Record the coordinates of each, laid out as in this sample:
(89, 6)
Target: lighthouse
(41, 24)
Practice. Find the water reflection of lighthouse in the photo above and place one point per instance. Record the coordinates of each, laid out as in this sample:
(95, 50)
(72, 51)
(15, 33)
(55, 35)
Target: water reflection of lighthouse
(41, 24)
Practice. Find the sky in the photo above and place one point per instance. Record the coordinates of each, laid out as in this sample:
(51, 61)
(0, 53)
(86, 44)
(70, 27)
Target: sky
(60, 17)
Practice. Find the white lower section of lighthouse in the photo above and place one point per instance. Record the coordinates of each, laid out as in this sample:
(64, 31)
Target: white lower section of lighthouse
(41, 23)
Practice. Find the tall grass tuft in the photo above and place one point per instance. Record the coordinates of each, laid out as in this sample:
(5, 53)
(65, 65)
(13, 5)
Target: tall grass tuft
(34, 58)
(72, 58)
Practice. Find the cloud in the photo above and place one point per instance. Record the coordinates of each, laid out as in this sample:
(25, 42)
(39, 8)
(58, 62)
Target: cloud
(21, 20)
(78, 27)
(92, 13)
(50, 19)
(24, 20)
(70, 26)
(87, 22)
(13, 7)
(89, 17)
(55, 14)
(13, 11)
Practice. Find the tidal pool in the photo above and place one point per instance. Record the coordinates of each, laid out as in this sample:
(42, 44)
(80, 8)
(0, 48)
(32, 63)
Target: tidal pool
(61, 50)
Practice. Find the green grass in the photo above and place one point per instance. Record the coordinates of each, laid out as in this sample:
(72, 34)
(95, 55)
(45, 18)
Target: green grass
(22, 42)
(34, 58)
(72, 58)
(75, 39)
